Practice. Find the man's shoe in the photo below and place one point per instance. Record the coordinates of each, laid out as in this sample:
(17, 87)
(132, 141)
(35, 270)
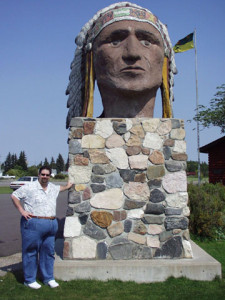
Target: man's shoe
(33, 285)
(53, 284)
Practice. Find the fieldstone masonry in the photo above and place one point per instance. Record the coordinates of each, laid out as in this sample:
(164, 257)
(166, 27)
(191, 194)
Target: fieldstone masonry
(129, 199)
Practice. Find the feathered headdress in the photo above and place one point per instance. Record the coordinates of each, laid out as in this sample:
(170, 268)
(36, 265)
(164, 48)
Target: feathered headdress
(81, 84)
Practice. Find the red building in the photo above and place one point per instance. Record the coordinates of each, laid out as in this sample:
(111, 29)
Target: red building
(216, 159)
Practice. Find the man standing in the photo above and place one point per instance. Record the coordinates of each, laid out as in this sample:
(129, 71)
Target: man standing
(38, 227)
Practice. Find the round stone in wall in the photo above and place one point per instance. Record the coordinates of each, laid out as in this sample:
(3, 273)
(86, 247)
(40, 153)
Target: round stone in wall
(102, 218)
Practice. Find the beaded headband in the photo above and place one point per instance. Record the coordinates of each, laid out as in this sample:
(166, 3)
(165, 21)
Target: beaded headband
(124, 13)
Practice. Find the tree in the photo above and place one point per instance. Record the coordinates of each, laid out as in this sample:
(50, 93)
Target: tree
(215, 114)
(32, 171)
(18, 172)
(60, 164)
(46, 163)
(204, 169)
(67, 164)
(192, 166)
(22, 161)
(14, 161)
(8, 163)
(52, 163)
(40, 165)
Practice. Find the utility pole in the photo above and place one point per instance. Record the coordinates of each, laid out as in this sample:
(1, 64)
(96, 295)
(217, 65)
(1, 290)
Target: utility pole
(198, 136)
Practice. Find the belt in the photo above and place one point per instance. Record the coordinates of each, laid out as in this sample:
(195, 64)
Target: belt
(47, 218)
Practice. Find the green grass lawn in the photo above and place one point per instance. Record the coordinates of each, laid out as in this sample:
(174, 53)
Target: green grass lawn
(11, 286)
(5, 190)
(192, 179)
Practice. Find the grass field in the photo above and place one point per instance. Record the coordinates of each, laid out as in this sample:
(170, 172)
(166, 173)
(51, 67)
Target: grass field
(194, 179)
(11, 286)
(5, 190)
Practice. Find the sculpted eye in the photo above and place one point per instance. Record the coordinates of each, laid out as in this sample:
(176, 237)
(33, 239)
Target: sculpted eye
(145, 43)
(115, 43)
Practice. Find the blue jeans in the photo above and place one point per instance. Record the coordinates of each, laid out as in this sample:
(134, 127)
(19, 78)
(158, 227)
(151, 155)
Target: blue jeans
(38, 248)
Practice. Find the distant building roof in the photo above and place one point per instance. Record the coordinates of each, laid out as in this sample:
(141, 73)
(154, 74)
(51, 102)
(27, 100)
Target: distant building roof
(216, 143)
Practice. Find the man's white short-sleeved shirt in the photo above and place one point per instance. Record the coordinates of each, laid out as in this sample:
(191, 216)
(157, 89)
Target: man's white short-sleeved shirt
(37, 201)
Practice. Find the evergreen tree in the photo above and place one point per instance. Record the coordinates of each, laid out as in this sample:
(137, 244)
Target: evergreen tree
(8, 163)
(46, 163)
(52, 163)
(14, 161)
(40, 164)
(60, 164)
(22, 161)
(67, 164)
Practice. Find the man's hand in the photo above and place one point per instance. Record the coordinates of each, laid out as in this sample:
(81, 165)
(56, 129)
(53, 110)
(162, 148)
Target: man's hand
(18, 205)
(65, 187)
(26, 214)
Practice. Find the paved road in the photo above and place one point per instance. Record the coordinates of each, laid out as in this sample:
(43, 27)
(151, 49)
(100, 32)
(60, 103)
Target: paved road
(10, 240)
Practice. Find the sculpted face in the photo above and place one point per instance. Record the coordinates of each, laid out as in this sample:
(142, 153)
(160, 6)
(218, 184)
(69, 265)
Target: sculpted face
(128, 56)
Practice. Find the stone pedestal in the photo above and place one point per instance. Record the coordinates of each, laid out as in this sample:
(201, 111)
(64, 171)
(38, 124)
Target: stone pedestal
(129, 199)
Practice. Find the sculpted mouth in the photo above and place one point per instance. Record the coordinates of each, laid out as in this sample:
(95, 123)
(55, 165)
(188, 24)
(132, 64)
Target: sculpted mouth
(132, 69)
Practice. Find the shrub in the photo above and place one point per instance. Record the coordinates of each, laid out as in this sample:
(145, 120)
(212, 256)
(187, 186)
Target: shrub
(207, 205)
(32, 171)
(60, 176)
(16, 172)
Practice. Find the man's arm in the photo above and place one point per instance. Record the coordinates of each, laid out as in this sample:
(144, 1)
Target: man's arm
(65, 187)
(18, 205)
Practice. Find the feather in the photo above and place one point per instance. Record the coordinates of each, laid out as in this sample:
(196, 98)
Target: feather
(75, 88)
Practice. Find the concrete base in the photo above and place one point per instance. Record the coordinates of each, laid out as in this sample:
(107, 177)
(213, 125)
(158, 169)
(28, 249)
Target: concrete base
(201, 267)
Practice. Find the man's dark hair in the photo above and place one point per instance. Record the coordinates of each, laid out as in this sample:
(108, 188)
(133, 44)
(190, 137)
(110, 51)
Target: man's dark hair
(45, 168)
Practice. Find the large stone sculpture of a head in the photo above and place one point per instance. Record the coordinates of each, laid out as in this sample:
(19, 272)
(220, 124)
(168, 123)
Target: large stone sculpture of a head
(128, 51)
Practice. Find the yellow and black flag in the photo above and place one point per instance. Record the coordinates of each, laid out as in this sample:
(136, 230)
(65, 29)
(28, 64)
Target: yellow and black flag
(185, 44)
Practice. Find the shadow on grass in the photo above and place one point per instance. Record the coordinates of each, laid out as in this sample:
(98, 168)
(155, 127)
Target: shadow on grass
(15, 269)
(18, 275)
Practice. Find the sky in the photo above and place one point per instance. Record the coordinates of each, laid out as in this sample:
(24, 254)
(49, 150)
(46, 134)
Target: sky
(37, 47)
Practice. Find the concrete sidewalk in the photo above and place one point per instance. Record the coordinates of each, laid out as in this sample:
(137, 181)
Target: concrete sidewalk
(201, 267)
(10, 263)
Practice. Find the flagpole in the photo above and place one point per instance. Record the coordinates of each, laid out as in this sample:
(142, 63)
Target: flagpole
(198, 137)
